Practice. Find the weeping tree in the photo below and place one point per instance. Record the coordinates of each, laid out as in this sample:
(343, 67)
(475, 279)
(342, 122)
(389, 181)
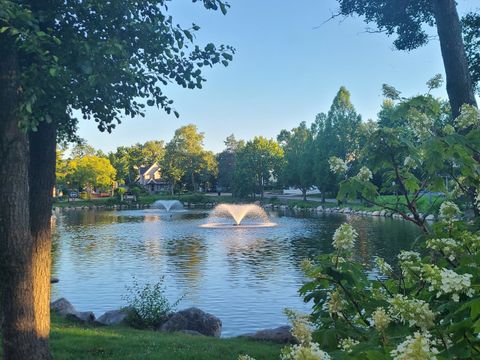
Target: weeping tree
(407, 19)
(100, 60)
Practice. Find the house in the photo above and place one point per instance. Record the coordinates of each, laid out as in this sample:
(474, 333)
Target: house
(150, 178)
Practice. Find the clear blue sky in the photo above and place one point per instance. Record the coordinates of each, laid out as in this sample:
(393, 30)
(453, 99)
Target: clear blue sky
(288, 67)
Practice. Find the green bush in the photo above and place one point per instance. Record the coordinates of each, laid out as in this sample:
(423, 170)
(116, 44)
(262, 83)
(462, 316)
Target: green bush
(147, 305)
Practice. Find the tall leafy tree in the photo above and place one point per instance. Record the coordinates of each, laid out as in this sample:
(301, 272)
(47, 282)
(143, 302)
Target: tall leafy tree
(297, 146)
(91, 173)
(406, 19)
(227, 162)
(259, 161)
(185, 151)
(98, 58)
(335, 134)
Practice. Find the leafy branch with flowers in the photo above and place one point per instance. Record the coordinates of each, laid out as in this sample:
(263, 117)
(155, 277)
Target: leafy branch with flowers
(427, 306)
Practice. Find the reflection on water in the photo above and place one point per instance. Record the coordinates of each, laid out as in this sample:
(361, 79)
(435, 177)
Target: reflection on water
(244, 276)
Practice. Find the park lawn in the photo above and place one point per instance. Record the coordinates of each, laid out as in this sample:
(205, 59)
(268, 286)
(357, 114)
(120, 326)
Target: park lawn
(81, 342)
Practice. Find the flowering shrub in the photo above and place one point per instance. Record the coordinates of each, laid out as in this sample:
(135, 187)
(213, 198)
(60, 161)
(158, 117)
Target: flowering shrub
(433, 295)
(337, 165)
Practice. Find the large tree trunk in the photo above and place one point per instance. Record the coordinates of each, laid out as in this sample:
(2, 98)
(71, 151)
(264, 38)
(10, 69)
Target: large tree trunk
(42, 181)
(23, 338)
(459, 84)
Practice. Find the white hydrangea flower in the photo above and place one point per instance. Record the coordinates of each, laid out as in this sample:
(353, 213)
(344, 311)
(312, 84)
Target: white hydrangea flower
(364, 174)
(344, 237)
(337, 165)
(448, 246)
(301, 326)
(410, 162)
(471, 240)
(382, 265)
(421, 124)
(412, 311)
(380, 319)
(300, 352)
(448, 129)
(420, 346)
(245, 357)
(347, 344)
(449, 211)
(469, 116)
(334, 303)
(409, 261)
(447, 282)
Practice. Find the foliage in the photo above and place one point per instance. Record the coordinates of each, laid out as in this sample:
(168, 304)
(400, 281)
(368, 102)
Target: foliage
(227, 162)
(297, 146)
(185, 159)
(100, 58)
(258, 162)
(91, 172)
(434, 296)
(471, 35)
(148, 306)
(335, 134)
(405, 21)
(128, 159)
(420, 157)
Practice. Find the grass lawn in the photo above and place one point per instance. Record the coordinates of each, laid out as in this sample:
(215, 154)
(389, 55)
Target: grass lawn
(72, 341)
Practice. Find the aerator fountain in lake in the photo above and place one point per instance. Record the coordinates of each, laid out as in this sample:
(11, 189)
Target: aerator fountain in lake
(243, 215)
(167, 205)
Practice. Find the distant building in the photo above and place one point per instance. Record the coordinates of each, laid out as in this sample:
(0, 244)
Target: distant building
(150, 177)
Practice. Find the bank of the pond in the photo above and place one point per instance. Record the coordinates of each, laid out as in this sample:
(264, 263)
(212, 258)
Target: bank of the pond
(83, 342)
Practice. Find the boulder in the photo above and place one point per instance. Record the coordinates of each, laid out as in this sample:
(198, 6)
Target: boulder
(62, 307)
(194, 319)
(81, 316)
(376, 213)
(280, 334)
(113, 317)
(430, 217)
(382, 213)
(319, 208)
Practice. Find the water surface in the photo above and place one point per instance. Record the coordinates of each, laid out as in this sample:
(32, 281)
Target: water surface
(245, 276)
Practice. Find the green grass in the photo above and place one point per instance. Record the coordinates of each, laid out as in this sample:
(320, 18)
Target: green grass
(71, 341)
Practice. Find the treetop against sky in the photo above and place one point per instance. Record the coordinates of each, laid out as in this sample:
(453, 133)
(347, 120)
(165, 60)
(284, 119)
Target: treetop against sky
(288, 67)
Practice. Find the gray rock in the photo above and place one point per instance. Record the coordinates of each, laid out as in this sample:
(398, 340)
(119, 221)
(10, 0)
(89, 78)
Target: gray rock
(82, 316)
(113, 317)
(62, 307)
(281, 335)
(430, 217)
(319, 208)
(194, 319)
(376, 213)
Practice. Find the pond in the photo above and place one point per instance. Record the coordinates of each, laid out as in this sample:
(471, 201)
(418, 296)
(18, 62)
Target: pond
(244, 276)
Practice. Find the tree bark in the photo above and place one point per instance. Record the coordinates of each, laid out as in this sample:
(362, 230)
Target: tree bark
(41, 183)
(304, 194)
(459, 83)
(22, 337)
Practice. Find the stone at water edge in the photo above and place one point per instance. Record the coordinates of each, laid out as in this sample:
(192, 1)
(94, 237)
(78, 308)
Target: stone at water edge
(65, 309)
(62, 307)
(82, 316)
(112, 317)
(194, 319)
(280, 334)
